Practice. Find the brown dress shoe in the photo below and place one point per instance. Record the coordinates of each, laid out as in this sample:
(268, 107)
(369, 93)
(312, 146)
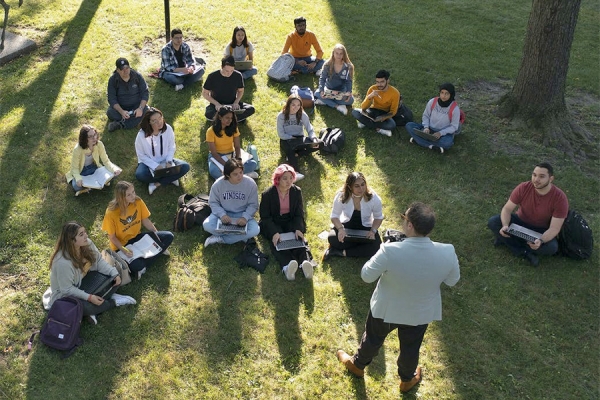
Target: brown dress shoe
(406, 386)
(347, 361)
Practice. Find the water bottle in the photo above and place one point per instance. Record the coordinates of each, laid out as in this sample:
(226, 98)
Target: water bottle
(252, 150)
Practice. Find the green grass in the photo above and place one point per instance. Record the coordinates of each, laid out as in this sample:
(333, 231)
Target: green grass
(205, 329)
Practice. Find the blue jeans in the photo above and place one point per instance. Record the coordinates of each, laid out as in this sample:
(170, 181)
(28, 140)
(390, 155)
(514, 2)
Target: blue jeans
(334, 103)
(216, 173)
(389, 124)
(184, 80)
(445, 142)
(303, 69)
(132, 122)
(517, 245)
(143, 174)
(164, 240)
(249, 72)
(87, 170)
(210, 226)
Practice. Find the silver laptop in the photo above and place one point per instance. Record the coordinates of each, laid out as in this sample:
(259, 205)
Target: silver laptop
(523, 233)
(357, 235)
(288, 241)
(232, 228)
(243, 65)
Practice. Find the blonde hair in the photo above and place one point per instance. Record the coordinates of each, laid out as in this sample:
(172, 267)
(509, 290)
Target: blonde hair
(345, 58)
(119, 201)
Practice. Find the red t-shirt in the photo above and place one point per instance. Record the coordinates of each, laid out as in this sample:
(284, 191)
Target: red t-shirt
(536, 209)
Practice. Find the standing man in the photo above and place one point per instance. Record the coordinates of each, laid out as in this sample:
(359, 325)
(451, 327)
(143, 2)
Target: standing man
(407, 297)
(379, 107)
(178, 65)
(225, 87)
(127, 97)
(298, 44)
(542, 207)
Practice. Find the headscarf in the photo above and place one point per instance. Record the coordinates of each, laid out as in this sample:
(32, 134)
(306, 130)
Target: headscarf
(450, 88)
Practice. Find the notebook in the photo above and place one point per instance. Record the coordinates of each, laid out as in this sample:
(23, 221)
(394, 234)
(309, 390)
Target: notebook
(357, 235)
(288, 241)
(426, 136)
(523, 233)
(232, 228)
(243, 65)
(165, 172)
(96, 283)
(245, 157)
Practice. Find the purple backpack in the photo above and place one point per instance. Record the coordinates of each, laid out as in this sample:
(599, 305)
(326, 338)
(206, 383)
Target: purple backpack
(61, 328)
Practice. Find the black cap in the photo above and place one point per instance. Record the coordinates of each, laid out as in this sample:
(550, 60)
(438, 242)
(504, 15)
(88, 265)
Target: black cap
(121, 62)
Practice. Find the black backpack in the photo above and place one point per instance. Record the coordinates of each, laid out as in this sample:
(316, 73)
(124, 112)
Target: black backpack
(252, 257)
(575, 239)
(61, 328)
(191, 211)
(333, 140)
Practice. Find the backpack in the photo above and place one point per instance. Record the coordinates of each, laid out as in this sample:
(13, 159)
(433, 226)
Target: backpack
(575, 239)
(61, 328)
(333, 140)
(252, 257)
(403, 116)
(281, 69)
(115, 260)
(452, 107)
(191, 211)
(306, 94)
(393, 235)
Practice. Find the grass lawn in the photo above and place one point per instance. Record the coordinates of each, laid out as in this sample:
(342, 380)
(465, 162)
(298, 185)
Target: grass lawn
(205, 329)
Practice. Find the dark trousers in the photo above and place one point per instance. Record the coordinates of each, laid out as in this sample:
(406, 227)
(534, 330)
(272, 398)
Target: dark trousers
(132, 122)
(164, 240)
(211, 111)
(92, 309)
(517, 245)
(388, 124)
(355, 249)
(285, 256)
(410, 337)
(293, 149)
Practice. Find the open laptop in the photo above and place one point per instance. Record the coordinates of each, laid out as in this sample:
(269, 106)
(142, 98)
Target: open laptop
(523, 233)
(232, 228)
(288, 241)
(165, 172)
(357, 235)
(243, 65)
(96, 283)
(426, 136)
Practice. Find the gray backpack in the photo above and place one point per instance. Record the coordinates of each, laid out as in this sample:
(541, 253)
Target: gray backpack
(281, 69)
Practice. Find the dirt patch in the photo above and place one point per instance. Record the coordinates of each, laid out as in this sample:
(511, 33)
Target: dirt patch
(150, 51)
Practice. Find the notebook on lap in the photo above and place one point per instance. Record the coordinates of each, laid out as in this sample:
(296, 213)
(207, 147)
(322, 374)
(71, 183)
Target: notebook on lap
(288, 241)
(232, 228)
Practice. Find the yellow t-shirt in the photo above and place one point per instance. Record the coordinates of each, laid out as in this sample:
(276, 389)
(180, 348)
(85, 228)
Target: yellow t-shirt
(125, 227)
(223, 144)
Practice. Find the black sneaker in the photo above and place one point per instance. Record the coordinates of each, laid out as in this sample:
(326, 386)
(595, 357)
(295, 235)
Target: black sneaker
(114, 125)
(532, 258)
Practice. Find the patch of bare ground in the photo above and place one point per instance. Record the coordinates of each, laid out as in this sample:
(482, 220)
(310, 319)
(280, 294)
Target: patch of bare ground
(150, 51)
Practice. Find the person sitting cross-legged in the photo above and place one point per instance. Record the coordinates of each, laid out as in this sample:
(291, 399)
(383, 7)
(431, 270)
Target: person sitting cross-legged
(178, 66)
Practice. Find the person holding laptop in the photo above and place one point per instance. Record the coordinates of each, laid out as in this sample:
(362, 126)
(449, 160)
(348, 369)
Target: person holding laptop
(88, 155)
(282, 211)
(225, 87)
(335, 82)
(223, 139)
(242, 50)
(155, 149)
(359, 208)
(74, 256)
(233, 200)
(123, 221)
(441, 118)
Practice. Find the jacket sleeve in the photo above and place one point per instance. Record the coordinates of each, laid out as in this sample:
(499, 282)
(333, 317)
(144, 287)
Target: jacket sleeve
(76, 163)
(112, 90)
(454, 274)
(267, 210)
(323, 77)
(171, 146)
(349, 76)
(375, 267)
(297, 208)
(144, 92)
(141, 151)
(104, 157)
(337, 209)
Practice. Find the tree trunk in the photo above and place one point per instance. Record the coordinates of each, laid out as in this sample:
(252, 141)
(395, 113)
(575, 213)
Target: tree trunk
(538, 96)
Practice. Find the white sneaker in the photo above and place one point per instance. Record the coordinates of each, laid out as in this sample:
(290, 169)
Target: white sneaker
(175, 182)
(214, 239)
(92, 319)
(141, 272)
(290, 270)
(299, 176)
(253, 175)
(121, 300)
(167, 252)
(342, 108)
(385, 132)
(82, 191)
(151, 187)
(307, 268)
(360, 124)
(319, 102)
(178, 87)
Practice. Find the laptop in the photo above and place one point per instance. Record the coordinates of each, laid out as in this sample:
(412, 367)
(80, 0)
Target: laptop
(96, 283)
(357, 235)
(426, 136)
(165, 172)
(523, 233)
(232, 228)
(288, 241)
(243, 65)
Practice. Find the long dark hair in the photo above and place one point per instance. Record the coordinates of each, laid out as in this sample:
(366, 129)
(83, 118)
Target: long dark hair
(288, 103)
(66, 245)
(146, 126)
(218, 127)
(347, 189)
(233, 43)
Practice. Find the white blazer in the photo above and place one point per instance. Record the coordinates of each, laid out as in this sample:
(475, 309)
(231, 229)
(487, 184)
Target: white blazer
(369, 210)
(410, 274)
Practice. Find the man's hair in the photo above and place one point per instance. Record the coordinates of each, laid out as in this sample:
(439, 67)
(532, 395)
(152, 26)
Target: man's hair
(382, 73)
(231, 165)
(176, 31)
(228, 61)
(547, 166)
(422, 218)
(299, 20)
